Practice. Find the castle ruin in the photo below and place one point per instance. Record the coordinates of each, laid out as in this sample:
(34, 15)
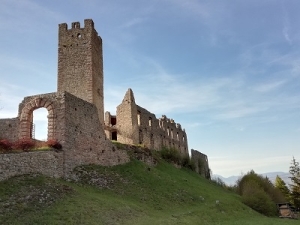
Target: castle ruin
(76, 116)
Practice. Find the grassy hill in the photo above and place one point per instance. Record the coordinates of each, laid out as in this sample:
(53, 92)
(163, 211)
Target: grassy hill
(126, 194)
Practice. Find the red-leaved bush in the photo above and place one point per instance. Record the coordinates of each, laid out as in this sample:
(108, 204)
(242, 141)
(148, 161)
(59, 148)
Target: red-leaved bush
(5, 145)
(25, 144)
(54, 144)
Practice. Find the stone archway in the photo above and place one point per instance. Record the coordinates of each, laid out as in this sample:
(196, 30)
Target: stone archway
(26, 117)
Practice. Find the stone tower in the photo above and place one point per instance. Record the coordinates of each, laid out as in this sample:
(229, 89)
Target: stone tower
(80, 63)
(127, 120)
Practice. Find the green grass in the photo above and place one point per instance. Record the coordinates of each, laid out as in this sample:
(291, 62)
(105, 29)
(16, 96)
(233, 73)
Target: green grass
(126, 194)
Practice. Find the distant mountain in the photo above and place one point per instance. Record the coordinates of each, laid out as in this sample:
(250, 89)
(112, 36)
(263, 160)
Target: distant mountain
(272, 176)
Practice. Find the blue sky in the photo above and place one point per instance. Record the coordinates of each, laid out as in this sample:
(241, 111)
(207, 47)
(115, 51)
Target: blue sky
(227, 71)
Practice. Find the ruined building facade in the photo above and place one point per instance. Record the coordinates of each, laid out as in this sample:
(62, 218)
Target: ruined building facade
(133, 124)
(76, 115)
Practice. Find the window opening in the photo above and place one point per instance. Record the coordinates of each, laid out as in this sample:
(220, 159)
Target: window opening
(40, 124)
(140, 136)
(114, 135)
(113, 121)
(139, 117)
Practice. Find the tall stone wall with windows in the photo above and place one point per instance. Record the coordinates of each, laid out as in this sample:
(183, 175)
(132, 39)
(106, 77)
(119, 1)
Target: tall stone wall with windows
(136, 125)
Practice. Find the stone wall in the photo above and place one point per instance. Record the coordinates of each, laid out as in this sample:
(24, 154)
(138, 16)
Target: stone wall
(53, 102)
(201, 162)
(74, 123)
(80, 63)
(9, 129)
(136, 125)
(84, 138)
(127, 124)
(49, 163)
(76, 115)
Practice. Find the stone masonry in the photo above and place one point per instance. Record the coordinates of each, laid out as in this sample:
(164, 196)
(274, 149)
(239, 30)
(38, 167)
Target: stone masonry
(76, 115)
(80, 63)
(201, 162)
(135, 125)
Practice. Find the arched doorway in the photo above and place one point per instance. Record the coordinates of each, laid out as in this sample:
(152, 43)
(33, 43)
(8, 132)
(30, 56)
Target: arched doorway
(40, 124)
(26, 118)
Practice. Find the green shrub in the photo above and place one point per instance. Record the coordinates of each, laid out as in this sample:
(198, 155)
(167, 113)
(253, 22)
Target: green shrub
(171, 155)
(256, 198)
(219, 182)
(187, 162)
(118, 144)
(259, 193)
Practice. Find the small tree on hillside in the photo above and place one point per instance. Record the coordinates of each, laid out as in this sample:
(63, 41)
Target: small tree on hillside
(295, 186)
(259, 193)
(281, 185)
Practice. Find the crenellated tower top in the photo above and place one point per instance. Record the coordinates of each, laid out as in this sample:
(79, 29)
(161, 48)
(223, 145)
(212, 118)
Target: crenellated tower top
(80, 63)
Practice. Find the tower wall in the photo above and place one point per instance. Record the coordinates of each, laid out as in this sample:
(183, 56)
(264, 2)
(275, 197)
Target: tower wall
(80, 63)
(127, 122)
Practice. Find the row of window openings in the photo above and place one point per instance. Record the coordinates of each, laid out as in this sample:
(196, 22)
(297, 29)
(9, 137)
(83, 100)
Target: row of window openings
(150, 124)
(139, 119)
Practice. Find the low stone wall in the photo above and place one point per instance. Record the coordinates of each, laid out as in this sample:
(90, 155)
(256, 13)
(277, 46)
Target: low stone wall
(49, 163)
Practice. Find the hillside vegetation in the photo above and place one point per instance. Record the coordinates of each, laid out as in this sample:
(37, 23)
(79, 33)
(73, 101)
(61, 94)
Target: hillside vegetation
(133, 193)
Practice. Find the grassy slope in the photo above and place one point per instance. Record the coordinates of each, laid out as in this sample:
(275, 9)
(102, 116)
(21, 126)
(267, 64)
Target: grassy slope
(125, 194)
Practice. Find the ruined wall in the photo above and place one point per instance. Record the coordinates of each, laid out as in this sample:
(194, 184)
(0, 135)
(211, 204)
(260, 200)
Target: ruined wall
(49, 163)
(75, 124)
(76, 115)
(53, 102)
(9, 129)
(127, 124)
(80, 63)
(136, 125)
(201, 161)
(85, 141)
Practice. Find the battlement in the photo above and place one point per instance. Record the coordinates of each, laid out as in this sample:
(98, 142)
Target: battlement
(80, 63)
(88, 23)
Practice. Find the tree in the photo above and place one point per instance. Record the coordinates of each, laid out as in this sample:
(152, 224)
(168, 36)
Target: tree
(295, 186)
(281, 185)
(259, 193)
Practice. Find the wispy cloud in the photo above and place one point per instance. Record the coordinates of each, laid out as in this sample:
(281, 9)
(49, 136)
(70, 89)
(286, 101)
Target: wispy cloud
(133, 22)
(286, 26)
(267, 87)
(24, 14)
(10, 98)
